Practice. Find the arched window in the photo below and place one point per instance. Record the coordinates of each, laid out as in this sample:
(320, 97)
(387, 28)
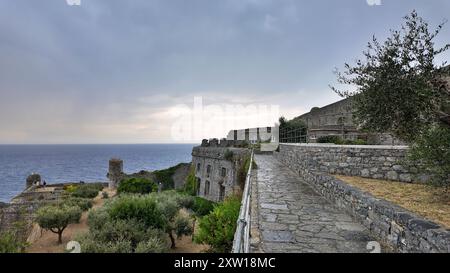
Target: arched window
(207, 188)
(221, 193)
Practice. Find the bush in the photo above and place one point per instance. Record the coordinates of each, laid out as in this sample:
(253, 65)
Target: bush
(130, 218)
(228, 155)
(182, 225)
(83, 203)
(14, 240)
(87, 190)
(108, 235)
(152, 245)
(137, 185)
(70, 188)
(202, 206)
(9, 243)
(330, 139)
(144, 208)
(165, 177)
(243, 170)
(57, 218)
(217, 228)
(105, 195)
(431, 154)
(190, 187)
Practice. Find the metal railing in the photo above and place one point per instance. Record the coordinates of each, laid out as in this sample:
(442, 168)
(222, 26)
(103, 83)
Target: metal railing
(289, 135)
(241, 242)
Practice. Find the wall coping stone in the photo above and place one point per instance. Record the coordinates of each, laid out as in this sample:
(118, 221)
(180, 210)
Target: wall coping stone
(418, 228)
(331, 145)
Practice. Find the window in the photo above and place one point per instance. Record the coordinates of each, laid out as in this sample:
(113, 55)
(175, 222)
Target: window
(269, 130)
(199, 183)
(223, 172)
(221, 193)
(207, 187)
(198, 167)
(208, 171)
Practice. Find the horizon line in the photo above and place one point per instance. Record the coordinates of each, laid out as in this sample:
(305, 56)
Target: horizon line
(150, 143)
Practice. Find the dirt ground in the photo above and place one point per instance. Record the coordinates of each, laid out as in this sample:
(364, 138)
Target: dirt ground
(429, 202)
(44, 241)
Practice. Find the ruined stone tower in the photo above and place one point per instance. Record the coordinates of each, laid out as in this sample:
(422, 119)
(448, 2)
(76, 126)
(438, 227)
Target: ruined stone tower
(33, 179)
(115, 173)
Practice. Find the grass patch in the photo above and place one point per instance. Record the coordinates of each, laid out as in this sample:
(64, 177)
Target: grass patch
(427, 201)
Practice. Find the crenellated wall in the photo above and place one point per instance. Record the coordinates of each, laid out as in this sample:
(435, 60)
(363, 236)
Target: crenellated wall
(219, 168)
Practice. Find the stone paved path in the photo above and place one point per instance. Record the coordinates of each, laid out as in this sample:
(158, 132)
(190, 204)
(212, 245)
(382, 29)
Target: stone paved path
(294, 218)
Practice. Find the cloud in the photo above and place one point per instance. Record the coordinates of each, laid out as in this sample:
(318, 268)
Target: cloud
(110, 71)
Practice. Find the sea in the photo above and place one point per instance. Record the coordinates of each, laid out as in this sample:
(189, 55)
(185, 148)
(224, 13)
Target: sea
(75, 163)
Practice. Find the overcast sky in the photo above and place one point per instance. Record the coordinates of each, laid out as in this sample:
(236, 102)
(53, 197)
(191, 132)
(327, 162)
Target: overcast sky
(116, 71)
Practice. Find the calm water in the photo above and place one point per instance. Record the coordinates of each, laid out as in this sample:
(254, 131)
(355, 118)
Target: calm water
(73, 163)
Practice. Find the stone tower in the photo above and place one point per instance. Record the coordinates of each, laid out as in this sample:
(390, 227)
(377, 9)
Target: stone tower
(32, 179)
(115, 172)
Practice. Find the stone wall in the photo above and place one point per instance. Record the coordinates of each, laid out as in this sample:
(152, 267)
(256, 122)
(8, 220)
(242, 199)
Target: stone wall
(215, 166)
(390, 224)
(371, 161)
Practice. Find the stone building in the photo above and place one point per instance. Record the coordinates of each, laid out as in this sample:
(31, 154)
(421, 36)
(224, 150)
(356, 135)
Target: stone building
(337, 119)
(115, 172)
(254, 135)
(217, 167)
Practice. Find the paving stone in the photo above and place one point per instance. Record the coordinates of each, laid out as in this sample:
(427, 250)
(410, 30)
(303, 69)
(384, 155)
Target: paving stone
(295, 218)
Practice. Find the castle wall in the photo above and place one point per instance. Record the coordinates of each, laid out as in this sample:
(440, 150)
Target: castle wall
(337, 119)
(223, 171)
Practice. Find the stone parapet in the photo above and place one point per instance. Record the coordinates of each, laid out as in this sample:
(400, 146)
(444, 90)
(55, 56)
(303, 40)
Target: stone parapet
(370, 161)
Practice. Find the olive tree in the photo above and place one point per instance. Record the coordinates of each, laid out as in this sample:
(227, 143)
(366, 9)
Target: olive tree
(397, 87)
(57, 218)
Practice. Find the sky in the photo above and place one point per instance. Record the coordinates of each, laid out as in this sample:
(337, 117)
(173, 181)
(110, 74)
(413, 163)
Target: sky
(116, 71)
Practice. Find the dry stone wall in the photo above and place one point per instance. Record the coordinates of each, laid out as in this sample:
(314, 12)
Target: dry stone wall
(370, 161)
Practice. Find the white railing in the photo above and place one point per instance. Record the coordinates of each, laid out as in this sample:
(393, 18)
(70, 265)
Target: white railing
(241, 242)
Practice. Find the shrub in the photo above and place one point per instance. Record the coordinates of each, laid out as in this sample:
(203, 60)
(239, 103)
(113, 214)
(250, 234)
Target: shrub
(144, 208)
(108, 235)
(431, 154)
(89, 244)
(165, 177)
(87, 190)
(83, 203)
(243, 170)
(202, 206)
(228, 155)
(57, 218)
(70, 188)
(217, 228)
(14, 239)
(190, 187)
(152, 245)
(105, 195)
(137, 185)
(129, 218)
(181, 225)
(330, 139)
(9, 243)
